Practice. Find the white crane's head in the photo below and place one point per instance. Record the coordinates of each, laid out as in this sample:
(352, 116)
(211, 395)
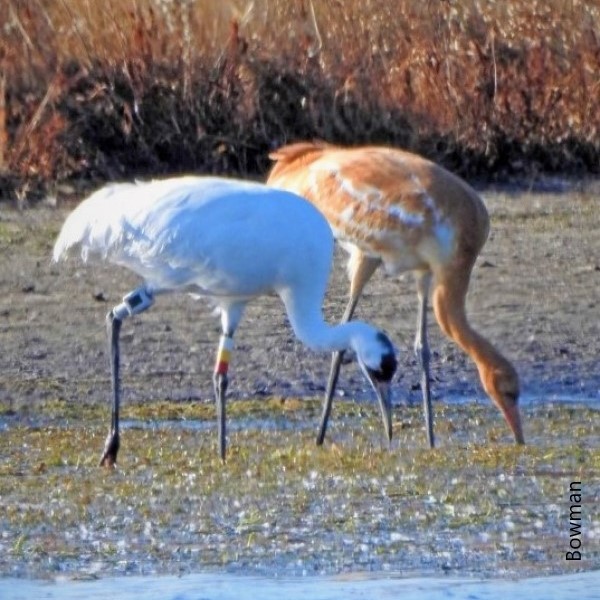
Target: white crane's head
(377, 360)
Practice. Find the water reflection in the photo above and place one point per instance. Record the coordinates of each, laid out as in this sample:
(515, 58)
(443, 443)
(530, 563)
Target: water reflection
(582, 586)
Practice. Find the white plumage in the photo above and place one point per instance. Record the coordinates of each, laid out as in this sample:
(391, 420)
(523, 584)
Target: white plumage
(229, 240)
(212, 236)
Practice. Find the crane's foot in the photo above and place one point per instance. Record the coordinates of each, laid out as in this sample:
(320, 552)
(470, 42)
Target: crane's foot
(111, 448)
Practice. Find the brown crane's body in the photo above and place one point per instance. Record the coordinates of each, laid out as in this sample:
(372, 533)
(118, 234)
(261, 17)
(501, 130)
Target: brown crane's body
(386, 206)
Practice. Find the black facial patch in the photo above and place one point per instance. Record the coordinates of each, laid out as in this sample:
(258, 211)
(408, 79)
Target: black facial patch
(388, 364)
(385, 341)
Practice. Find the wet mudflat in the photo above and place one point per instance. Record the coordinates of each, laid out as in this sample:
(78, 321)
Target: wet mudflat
(282, 506)
(475, 506)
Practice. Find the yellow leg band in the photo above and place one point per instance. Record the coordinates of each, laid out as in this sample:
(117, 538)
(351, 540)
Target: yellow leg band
(223, 355)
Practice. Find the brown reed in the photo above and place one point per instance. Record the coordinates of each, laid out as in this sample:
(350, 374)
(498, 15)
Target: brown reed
(93, 91)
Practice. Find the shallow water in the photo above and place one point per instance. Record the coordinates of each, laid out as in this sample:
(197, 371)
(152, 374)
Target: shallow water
(582, 586)
(475, 507)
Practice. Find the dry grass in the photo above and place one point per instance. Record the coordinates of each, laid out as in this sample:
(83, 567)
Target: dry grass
(93, 91)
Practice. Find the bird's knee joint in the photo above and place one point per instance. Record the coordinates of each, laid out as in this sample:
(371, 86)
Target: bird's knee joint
(133, 303)
(422, 353)
(220, 381)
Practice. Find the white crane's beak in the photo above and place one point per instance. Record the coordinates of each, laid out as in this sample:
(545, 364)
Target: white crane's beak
(383, 391)
(380, 379)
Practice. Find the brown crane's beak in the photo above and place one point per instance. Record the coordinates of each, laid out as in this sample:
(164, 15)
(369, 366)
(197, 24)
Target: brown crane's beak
(513, 418)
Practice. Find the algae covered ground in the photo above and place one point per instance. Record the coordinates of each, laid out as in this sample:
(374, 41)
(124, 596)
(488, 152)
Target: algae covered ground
(475, 505)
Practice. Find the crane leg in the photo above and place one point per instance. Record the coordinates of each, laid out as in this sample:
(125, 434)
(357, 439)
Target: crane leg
(360, 268)
(423, 354)
(134, 303)
(111, 446)
(334, 372)
(220, 381)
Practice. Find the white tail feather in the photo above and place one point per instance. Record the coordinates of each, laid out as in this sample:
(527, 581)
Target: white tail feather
(93, 225)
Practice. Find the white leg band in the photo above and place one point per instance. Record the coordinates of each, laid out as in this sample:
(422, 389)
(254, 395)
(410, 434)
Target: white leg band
(133, 303)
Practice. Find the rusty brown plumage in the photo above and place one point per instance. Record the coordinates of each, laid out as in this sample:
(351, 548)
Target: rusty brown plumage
(391, 207)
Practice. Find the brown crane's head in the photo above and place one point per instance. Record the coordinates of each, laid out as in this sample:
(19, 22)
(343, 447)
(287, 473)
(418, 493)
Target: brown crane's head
(501, 383)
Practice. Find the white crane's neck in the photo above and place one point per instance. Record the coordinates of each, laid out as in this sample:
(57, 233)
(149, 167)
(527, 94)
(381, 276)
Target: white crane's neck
(312, 330)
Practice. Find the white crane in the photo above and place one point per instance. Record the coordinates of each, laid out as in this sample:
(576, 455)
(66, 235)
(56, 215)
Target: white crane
(393, 208)
(230, 241)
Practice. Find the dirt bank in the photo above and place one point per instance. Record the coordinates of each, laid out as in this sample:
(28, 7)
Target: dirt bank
(534, 293)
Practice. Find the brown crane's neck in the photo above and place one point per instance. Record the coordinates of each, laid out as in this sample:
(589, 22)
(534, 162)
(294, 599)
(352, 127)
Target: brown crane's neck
(498, 376)
(449, 299)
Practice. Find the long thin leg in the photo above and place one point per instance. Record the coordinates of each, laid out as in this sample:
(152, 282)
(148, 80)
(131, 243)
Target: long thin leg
(334, 372)
(423, 354)
(111, 446)
(220, 381)
(361, 268)
(134, 303)
(231, 315)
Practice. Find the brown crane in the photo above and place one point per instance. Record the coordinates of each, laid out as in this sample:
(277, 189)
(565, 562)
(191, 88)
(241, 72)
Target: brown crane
(394, 208)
